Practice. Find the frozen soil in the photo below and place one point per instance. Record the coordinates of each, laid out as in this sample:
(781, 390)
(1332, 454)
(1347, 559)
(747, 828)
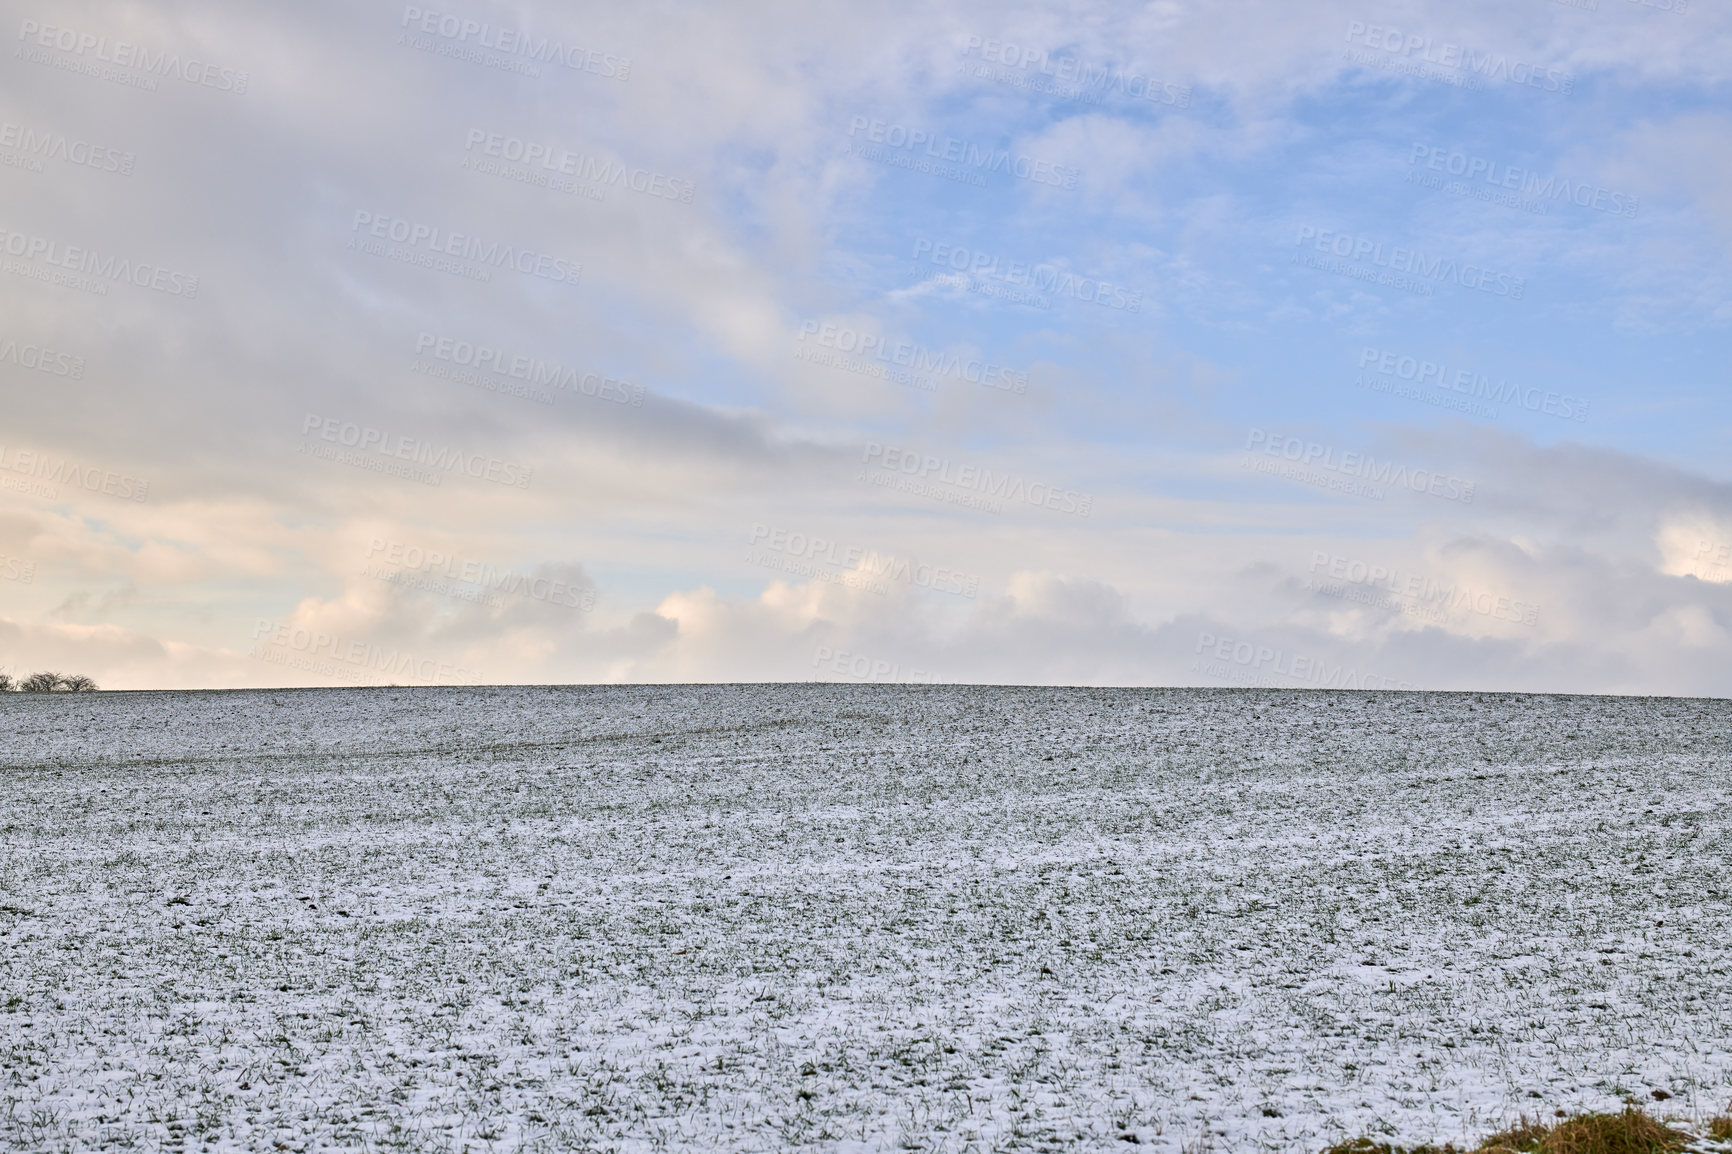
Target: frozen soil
(854, 917)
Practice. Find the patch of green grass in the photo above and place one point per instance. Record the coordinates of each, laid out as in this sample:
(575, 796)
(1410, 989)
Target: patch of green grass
(1632, 1132)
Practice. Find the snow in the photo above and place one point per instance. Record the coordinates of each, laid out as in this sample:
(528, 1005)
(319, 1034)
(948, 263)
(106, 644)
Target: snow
(853, 917)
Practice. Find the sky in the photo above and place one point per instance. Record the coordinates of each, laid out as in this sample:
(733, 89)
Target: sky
(1345, 345)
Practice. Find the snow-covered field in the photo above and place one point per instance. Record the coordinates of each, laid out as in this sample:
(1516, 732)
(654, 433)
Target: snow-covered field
(853, 917)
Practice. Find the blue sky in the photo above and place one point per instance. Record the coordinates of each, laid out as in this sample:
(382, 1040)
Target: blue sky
(1393, 334)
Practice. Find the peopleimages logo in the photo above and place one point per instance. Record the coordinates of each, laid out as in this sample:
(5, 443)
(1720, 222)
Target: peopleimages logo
(515, 42)
(1040, 278)
(412, 559)
(1718, 556)
(38, 145)
(586, 167)
(305, 647)
(1522, 182)
(915, 358)
(1473, 384)
(83, 262)
(1072, 78)
(1486, 65)
(429, 242)
(972, 157)
(861, 667)
(533, 372)
(368, 440)
(1357, 469)
(1410, 262)
(1424, 592)
(926, 469)
(124, 55)
(43, 360)
(868, 563)
(1237, 660)
(50, 469)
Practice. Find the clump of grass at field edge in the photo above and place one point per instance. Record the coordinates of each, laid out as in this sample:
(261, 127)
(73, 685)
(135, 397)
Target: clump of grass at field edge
(1632, 1132)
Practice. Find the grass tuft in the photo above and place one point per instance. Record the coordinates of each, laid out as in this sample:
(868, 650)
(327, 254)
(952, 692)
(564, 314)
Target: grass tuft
(1367, 1146)
(1632, 1132)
